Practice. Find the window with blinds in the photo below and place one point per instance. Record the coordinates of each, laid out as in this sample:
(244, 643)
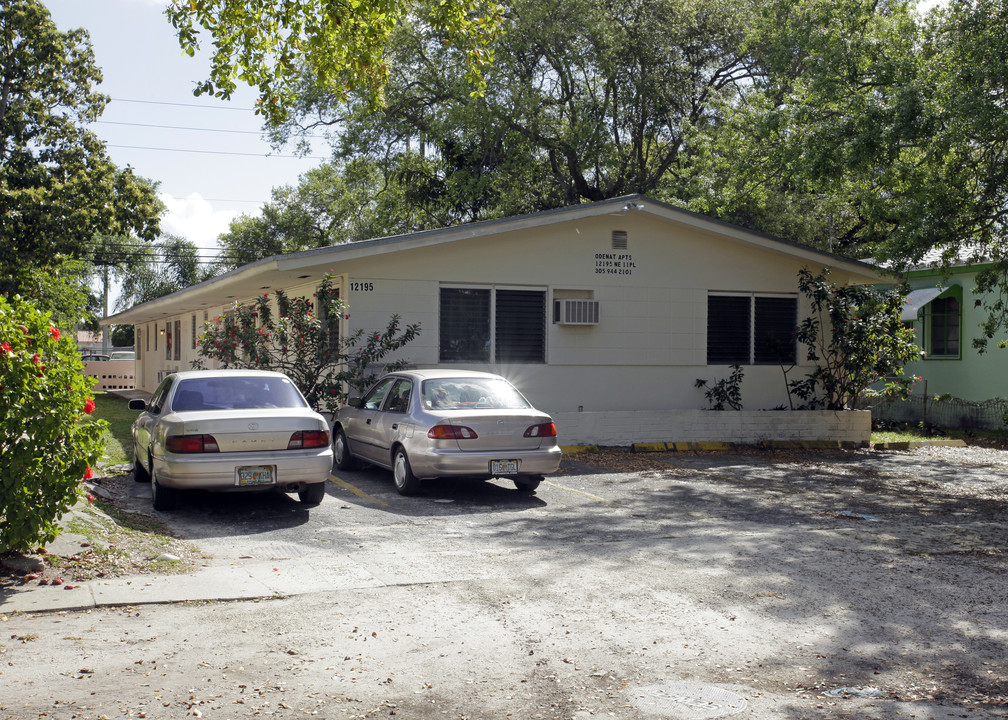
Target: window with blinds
(464, 325)
(520, 333)
(751, 329)
(514, 319)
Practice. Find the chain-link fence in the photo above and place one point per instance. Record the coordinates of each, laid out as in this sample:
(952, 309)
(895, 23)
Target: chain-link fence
(944, 411)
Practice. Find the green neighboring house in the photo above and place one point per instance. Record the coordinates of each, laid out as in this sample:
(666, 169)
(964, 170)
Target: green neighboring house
(946, 313)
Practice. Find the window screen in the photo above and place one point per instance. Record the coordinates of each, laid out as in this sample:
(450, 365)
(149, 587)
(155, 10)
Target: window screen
(944, 326)
(728, 324)
(774, 337)
(521, 326)
(465, 325)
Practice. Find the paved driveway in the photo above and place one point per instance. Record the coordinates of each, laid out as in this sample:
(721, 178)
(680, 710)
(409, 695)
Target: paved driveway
(792, 585)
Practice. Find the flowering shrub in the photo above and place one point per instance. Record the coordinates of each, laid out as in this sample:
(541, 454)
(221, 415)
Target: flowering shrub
(864, 342)
(46, 451)
(298, 342)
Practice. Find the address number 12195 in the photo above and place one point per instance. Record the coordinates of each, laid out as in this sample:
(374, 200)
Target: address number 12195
(362, 287)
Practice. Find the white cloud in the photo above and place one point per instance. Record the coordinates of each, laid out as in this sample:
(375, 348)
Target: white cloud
(195, 219)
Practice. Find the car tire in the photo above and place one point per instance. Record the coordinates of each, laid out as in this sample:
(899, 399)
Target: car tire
(140, 473)
(527, 484)
(342, 458)
(311, 495)
(406, 482)
(164, 498)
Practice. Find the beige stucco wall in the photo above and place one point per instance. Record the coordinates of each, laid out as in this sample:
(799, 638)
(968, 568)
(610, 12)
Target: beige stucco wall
(649, 347)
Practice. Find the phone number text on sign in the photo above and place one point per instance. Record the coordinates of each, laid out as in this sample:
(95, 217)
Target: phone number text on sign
(614, 264)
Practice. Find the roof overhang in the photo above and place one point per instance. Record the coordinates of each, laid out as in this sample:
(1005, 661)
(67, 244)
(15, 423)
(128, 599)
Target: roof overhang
(283, 271)
(917, 299)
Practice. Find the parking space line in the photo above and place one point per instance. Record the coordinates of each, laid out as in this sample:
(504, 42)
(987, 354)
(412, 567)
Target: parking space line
(357, 491)
(580, 492)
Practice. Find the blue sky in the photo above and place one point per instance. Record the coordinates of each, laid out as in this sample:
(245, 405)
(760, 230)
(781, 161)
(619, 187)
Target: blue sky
(208, 155)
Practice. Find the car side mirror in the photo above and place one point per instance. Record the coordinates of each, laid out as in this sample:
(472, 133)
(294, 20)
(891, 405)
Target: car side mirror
(354, 402)
(137, 404)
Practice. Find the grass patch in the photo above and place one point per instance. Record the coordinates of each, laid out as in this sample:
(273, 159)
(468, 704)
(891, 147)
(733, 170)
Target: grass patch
(117, 437)
(907, 434)
(121, 543)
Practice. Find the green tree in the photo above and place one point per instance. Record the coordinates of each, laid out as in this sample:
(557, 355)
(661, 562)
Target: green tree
(584, 101)
(856, 336)
(148, 271)
(302, 340)
(46, 450)
(272, 44)
(57, 185)
(334, 203)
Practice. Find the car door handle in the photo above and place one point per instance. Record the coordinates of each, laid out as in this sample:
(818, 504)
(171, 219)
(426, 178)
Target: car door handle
(369, 421)
(395, 425)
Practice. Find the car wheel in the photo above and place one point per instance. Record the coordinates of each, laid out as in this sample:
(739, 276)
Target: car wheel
(527, 484)
(140, 473)
(164, 498)
(311, 495)
(405, 481)
(341, 452)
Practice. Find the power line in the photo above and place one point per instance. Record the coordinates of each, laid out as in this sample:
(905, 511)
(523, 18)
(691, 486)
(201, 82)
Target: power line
(179, 127)
(218, 152)
(178, 104)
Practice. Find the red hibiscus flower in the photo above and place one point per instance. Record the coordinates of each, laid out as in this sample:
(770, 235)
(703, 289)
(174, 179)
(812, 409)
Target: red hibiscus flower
(54, 332)
(89, 406)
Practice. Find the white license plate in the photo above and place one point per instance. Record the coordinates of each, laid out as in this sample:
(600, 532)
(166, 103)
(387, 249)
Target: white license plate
(504, 467)
(255, 475)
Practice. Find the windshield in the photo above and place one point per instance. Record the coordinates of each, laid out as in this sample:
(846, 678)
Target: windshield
(465, 393)
(236, 393)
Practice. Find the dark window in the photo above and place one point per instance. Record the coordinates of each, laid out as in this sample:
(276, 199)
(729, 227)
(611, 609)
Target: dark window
(515, 319)
(944, 327)
(178, 338)
(331, 325)
(750, 329)
(465, 325)
(728, 328)
(138, 341)
(774, 336)
(521, 326)
(193, 332)
(168, 341)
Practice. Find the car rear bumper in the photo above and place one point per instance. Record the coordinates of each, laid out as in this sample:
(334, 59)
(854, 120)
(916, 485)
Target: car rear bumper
(212, 471)
(447, 463)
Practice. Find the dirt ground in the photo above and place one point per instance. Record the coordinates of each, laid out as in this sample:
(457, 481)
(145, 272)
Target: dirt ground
(788, 584)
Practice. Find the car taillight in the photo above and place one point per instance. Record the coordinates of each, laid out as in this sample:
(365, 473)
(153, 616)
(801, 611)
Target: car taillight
(304, 439)
(542, 430)
(451, 432)
(191, 444)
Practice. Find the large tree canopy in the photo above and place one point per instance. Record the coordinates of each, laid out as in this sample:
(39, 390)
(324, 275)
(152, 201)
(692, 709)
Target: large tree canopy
(270, 44)
(584, 101)
(57, 185)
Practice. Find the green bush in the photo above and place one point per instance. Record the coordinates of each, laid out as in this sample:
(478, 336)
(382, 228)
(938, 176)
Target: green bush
(302, 341)
(46, 449)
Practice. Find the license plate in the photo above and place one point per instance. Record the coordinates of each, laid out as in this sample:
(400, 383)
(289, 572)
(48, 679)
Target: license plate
(504, 467)
(255, 475)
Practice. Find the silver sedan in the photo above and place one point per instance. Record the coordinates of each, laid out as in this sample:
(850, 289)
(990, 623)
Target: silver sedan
(434, 423)
(230, 430)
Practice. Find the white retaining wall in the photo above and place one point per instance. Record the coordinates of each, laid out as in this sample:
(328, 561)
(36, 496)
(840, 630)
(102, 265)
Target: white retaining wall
(744, 427)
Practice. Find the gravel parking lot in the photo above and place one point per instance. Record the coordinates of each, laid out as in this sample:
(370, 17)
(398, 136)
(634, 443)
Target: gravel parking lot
(839, 584)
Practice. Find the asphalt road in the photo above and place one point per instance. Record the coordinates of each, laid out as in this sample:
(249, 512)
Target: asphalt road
(800, 585)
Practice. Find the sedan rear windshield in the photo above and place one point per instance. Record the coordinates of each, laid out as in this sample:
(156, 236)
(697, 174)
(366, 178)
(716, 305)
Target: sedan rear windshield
(236, 393)
(465, 393)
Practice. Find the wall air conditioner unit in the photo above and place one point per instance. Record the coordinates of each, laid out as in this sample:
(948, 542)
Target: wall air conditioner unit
(576, 312)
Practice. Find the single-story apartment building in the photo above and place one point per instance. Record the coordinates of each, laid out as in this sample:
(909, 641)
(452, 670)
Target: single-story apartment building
(960, 386)
(611, 310)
